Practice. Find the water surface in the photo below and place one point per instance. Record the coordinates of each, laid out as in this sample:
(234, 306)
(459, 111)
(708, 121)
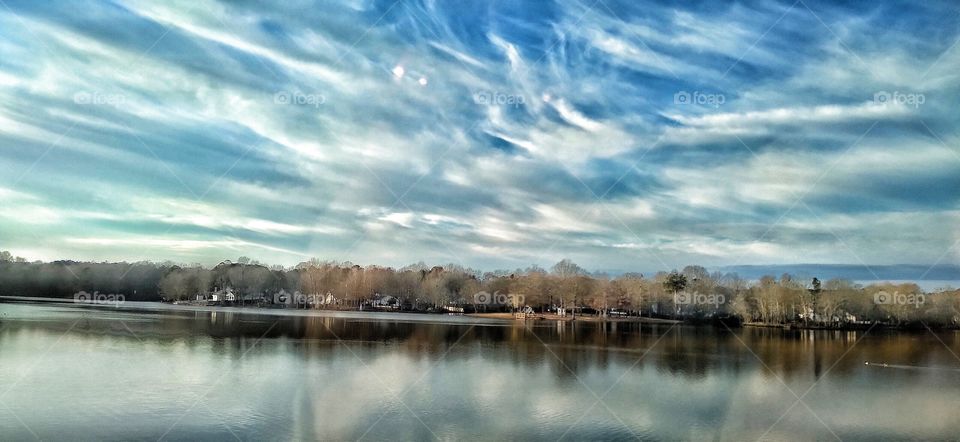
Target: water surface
(149, 372)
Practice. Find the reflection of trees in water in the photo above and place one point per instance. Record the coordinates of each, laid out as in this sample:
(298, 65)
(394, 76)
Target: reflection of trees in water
(687, 351)
(563, 347)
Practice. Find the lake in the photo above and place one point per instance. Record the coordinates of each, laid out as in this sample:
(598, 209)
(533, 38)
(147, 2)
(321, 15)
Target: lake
(151, 371)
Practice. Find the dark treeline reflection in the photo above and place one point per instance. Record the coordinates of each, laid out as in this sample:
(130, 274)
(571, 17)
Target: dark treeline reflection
(566, 347)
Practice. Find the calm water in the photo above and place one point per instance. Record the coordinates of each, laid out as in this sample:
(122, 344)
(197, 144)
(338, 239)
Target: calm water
(149, 372)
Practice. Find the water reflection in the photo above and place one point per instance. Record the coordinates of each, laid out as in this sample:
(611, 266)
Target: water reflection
(264, 376)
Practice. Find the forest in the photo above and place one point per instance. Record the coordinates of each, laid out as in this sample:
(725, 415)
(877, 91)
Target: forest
(693, 293)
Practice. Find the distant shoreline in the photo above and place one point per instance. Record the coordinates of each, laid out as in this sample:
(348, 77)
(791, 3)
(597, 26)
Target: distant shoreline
(372, 314)
(413, 316)
(591, 318)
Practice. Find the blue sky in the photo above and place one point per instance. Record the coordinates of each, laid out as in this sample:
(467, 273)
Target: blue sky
(495, 134)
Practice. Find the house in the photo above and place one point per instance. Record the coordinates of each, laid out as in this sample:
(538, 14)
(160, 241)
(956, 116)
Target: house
(223, 295)
(567, 311)
(387, 301)
(808, 314)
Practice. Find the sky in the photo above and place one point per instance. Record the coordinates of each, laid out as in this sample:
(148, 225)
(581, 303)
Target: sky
(627, 135)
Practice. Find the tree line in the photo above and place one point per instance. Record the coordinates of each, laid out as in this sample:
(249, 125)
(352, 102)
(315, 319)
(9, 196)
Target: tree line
(690, 293)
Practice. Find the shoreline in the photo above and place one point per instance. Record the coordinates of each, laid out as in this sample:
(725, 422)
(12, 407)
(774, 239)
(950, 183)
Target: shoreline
(474, 318)
(588, 318)
(413, 316)
(151, 306)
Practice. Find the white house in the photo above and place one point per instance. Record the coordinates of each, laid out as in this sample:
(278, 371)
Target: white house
(223, 295)
(386, 301)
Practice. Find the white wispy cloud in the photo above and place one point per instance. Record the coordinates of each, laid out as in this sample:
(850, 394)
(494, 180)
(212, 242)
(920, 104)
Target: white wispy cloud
(204, 130)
